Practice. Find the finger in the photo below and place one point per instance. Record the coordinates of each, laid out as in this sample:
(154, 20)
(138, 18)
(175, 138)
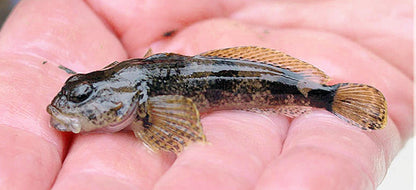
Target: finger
(27, 160)
(373, 25)
(140, 23)
(322, 152)
(58, 32)
(73, 37)
(240, 145)
(111, 161)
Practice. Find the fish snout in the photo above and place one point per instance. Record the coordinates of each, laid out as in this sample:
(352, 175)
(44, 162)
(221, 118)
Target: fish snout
(59, 126)
(62, 122)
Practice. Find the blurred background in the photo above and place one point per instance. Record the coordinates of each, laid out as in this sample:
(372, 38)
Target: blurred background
(401, 172)
(5, 7)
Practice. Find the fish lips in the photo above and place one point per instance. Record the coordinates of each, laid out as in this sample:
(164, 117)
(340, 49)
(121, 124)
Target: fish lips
(61, 122)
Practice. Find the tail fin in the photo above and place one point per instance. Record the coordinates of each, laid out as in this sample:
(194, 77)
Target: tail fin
(360, 105)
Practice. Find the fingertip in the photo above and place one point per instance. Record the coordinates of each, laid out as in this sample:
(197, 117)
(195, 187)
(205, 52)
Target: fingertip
(102, 159)
(240, 145)
(322, 149)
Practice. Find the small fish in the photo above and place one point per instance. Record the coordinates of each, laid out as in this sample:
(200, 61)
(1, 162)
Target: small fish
(160, 97)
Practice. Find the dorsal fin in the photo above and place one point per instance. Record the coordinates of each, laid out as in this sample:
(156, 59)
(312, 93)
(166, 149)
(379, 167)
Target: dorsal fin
(271, 56)
(148, 53)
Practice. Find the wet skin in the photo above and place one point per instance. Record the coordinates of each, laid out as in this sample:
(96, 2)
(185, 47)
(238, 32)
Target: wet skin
(309, 149)
(161, 97)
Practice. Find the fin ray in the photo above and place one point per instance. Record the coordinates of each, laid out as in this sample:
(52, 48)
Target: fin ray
(271, 56)
(360, 105)
(172, 122)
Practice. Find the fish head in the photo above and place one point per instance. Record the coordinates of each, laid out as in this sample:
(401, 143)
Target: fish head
(92, 101)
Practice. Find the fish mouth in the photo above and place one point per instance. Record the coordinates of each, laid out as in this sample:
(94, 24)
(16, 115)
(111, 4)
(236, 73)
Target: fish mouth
(66, 123)
(62, 122)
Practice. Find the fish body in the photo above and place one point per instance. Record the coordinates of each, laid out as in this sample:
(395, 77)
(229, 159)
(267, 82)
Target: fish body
(161, 96)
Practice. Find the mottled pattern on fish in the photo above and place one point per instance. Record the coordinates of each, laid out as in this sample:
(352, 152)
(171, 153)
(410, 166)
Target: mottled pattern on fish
(215, 83)
(161, 96)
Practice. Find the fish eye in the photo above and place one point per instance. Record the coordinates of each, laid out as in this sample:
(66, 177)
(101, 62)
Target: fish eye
(80, 92)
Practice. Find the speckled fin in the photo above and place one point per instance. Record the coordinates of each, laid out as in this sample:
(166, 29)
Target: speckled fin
(360, 105)
(271, 56)
(170, 123)
(293, 111)
(287, 110)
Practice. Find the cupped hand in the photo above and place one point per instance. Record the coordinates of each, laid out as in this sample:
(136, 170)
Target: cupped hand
(355, 41)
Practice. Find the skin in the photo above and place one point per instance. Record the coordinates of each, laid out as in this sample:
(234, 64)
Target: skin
(356, 42)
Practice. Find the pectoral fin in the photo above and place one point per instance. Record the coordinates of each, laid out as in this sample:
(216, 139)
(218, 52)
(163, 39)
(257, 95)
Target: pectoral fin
(169, 123)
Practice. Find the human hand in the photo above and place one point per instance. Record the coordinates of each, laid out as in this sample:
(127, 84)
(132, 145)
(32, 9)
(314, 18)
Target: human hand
(354, 42)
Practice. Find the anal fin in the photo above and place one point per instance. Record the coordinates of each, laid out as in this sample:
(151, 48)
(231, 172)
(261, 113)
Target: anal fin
(170, 123)
(287, 110)
(293, 111)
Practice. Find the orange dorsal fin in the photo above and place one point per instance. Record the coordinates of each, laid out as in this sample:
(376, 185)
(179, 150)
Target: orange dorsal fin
(273, 57)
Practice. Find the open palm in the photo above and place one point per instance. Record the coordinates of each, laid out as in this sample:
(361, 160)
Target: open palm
(356, 41)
